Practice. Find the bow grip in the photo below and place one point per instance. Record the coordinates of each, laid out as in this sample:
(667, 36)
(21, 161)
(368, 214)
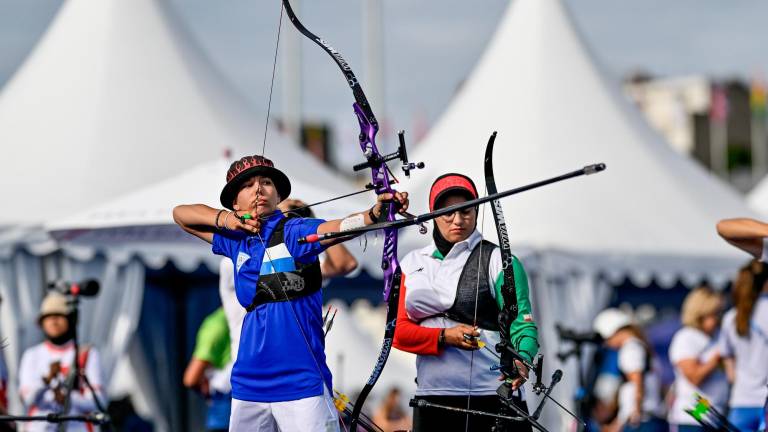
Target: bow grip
(388, 207)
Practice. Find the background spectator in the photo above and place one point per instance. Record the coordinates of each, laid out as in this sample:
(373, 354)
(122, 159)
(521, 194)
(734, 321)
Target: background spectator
(696, 360)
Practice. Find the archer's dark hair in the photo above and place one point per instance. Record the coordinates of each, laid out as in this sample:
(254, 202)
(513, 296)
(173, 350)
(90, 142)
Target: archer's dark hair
(746, 289)
(639, 333)
(296, 211)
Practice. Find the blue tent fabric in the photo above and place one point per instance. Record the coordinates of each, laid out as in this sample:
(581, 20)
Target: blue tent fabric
(175, 304)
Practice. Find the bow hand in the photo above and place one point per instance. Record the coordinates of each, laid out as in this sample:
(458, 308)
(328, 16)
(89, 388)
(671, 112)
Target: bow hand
(521, 375)
(387, 199)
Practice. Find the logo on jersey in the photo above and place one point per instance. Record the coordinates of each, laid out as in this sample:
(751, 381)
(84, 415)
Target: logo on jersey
(242, 257)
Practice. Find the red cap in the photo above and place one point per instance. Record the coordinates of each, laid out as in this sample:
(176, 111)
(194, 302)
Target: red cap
(448, 183)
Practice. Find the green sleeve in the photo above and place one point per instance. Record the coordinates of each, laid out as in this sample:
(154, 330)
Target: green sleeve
(523, 333)
(212, 344)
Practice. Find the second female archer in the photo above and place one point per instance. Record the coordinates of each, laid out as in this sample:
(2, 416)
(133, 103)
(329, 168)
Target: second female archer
(452, 289)
(280, 380)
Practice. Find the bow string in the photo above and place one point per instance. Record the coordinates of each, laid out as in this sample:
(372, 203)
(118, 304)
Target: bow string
(381, 182)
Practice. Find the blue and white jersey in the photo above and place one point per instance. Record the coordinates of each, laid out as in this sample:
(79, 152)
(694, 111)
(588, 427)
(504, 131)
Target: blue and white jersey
(273, 362)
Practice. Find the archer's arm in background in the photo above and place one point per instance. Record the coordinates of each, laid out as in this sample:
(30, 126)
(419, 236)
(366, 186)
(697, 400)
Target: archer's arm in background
(746, 234)
(338, 262)
(194, 375)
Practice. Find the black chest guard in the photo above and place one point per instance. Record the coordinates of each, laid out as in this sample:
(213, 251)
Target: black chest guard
(305, 280)
(476, 286)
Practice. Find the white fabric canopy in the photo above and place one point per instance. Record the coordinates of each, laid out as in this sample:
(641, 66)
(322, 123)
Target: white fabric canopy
(538, 86)
(113, 103)
(140, 223)
(114, 96)
(758, 197)
(153, 205)
(650, 216)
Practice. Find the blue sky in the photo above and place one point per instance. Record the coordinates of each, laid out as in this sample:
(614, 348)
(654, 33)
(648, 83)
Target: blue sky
(431, 45)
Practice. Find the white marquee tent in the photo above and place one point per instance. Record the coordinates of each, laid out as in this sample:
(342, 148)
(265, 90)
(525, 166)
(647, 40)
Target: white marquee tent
(109, 83)
(758, 197)
(649, 217)
(114, 96)
(113, 81)
(118, 117)
(137, 231)
(140, 223)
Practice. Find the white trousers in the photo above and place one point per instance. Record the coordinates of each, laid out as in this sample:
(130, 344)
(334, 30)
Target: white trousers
(311, 414)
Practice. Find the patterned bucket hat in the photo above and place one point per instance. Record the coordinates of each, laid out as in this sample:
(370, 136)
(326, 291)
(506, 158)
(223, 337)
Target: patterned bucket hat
(250, 166)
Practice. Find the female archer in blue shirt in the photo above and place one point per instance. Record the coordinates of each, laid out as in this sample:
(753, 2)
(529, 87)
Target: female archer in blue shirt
(280, 380)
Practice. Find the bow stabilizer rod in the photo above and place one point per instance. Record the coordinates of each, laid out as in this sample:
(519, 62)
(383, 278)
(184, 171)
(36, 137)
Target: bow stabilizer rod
(402, 223)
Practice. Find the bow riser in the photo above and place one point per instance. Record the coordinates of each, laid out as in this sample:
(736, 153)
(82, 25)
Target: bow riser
(380, 180)
(389, 263)
(368, 131)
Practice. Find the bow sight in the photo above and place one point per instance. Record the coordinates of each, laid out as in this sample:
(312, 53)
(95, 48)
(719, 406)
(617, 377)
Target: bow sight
(375, 160)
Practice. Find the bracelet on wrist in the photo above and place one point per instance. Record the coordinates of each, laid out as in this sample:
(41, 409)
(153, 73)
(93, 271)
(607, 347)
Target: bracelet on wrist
(373, 217)
(226, 218)
(441, 339)
(216, 222)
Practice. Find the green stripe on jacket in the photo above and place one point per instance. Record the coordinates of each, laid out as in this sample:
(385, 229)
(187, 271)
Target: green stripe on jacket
(523, 334)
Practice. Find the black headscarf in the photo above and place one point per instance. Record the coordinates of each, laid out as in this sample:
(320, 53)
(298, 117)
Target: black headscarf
(443, 245)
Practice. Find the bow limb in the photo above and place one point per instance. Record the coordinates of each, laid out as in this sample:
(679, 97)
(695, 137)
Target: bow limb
(508, 290)
(354, 84)
(509, 311)
(380, 179)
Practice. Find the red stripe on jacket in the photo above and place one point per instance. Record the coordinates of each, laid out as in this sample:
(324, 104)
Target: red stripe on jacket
(409, 335)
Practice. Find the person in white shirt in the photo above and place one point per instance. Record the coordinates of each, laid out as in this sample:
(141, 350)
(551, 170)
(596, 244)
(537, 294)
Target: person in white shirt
(639, 404)
(451, 295)
(696, 359)
(3, 382)
(744, 347)
(751, 236)
(4, 427)
(46, 368)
